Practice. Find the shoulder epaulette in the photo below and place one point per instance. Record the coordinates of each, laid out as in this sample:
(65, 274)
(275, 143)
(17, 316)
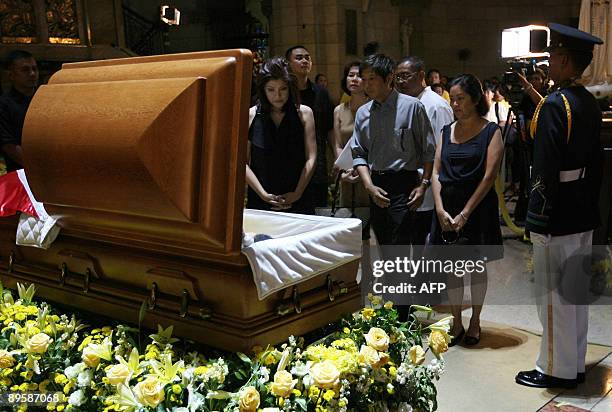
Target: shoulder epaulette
(568, 111)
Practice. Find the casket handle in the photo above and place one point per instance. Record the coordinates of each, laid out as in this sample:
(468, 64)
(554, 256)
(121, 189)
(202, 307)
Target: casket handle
(331, 285)
(152, 297)
(184, 303)
(11, 262)
(86, 280)
(63, 273)
(297, 305)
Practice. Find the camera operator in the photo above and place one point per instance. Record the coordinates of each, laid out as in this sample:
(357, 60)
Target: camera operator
(534, 89)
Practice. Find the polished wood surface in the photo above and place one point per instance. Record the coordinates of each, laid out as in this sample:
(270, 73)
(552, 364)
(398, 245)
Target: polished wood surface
(143, 161)
(146, 152)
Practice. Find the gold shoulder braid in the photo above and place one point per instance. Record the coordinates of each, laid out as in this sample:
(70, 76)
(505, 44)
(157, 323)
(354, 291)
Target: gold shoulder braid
(568, 111)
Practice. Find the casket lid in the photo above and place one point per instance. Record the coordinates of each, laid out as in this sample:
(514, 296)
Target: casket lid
(145, 152)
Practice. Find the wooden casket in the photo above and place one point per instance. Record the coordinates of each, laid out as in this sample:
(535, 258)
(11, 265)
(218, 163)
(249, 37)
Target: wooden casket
(142, 160)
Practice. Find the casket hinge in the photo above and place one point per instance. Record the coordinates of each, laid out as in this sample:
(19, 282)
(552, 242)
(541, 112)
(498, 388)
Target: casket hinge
(152, 297)
(63, 274)
(184, 303)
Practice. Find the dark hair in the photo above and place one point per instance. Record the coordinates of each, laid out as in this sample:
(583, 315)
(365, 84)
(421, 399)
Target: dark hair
(472, 86)
(276, 68)
(291, 49)
(539, 72)
(15, 55)
(489, 85)
(347, 69)
(379, 63)
(416, 63)
(318, 76)
(430, 71)
(437, 85)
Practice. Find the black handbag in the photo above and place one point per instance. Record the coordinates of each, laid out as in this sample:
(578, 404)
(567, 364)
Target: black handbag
(361, 213)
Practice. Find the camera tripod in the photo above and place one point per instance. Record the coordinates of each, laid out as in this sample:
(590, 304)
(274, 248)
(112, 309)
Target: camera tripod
(515, 118)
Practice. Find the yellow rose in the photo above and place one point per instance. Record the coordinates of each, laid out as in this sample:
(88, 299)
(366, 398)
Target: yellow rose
(249, 399)
(388, 305)
(417, 355)
(368, 313)
(325, 374)
(438, 342)
(6, 359)
(149, 392)
(283, 384)
(371, 357)
(377, 339)
(39, 343)
(90, 357)
(118, 374)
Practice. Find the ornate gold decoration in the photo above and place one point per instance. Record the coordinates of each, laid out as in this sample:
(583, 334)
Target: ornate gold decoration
(62, 21)
(17, 22)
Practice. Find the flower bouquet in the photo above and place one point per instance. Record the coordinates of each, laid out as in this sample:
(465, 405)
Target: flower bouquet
(373, 363)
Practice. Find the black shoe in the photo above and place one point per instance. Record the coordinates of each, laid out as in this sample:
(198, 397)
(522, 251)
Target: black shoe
(535, 379)
(580, 377)
(472, 340)
(456, 339)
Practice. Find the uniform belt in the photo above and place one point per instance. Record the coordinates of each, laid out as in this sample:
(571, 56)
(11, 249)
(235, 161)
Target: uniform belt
(571, 175)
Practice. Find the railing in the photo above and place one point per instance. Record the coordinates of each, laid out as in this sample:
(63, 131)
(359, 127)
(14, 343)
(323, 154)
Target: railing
(142, 35)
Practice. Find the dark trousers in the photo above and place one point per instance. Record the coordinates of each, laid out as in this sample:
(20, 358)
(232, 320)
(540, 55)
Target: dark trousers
(392, 225)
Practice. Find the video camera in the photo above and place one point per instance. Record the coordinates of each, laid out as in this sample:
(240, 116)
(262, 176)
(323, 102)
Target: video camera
(524, 47)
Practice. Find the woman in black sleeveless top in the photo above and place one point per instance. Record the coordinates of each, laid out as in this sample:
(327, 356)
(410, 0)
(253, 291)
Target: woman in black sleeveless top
(465, 168)
(282, 145)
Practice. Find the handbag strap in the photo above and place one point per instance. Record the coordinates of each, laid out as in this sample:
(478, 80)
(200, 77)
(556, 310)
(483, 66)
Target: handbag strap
(335, 194)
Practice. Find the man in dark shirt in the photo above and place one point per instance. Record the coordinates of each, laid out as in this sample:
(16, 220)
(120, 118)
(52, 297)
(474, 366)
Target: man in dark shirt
(23, 75)
(317, 99)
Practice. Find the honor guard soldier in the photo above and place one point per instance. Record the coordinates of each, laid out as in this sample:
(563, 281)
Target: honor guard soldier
(563, 210)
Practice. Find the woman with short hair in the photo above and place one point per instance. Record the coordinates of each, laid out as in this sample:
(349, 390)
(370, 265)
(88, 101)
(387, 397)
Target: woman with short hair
(465, 167)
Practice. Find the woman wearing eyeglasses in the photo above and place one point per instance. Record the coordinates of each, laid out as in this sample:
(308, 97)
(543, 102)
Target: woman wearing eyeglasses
(464, 172)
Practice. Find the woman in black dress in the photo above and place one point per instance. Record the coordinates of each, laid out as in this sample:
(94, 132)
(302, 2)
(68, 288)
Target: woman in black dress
(282, 148)
(465, 168)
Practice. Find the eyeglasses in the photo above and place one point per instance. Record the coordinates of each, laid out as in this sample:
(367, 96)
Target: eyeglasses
(404, 77)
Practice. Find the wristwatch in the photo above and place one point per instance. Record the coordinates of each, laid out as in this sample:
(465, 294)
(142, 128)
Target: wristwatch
(426, 182)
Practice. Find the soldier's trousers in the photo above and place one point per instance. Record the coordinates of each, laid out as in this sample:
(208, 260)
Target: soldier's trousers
(562, 272)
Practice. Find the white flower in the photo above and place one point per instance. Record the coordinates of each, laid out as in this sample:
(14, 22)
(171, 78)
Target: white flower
(264, 375)
(300, 369)
(181, 409)
(77, 398)
(84, 378)
(71, 372)
(271, 410)
(404, 407)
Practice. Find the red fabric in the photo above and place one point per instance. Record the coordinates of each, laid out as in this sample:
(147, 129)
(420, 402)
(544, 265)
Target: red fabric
(14, 197)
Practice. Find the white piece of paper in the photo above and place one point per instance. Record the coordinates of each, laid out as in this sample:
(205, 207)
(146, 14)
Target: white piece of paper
(345, 160)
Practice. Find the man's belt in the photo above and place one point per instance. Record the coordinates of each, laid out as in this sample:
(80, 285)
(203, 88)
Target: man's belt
(571, 175)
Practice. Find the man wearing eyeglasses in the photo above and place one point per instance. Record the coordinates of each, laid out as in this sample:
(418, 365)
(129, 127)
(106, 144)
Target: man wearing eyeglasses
(410, 80)
(317, 98)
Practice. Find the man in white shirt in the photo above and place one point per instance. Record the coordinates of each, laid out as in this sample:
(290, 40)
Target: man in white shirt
(410, 80)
